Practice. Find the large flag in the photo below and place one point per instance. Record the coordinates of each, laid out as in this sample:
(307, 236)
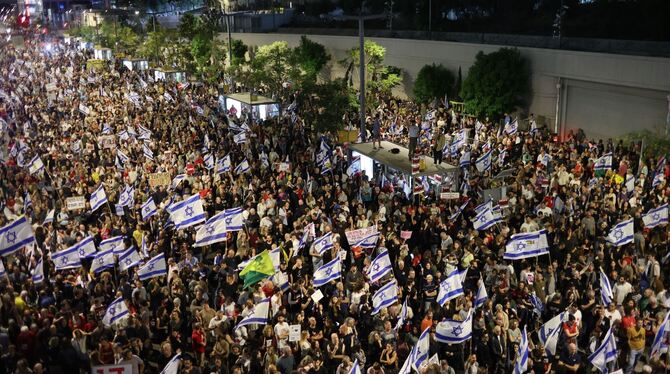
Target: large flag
(234, 219)
(114, 244)
(483, 163)
(459, 210)
(172, 367)
(355, 368)
(187, 213)
(35, 165)
(85, 248)
(368, 242)
(355, 166)
(422, 349)
(538, 305)
(149, 209)
(37, 272)
(407, 366)
(129, 258)
(209, 161)
(454, 332)
(98, 198)
(655, 217)
(525, 245)
(213, 231)
(487, 218)
(15, 235)
(380, 266)
(259, 268)
(155, 267)
(223, 165)
(659, 338)
(622, 233)
(402, 318)
(324, 243)
(103, 260)
(450, 288)
(66, 259)
(385, 296)
(548, 333)
(242, 167)
(176, 181)
(127, 197)
(512, 128)
(606, 294)
(607, 352)
(116, 311)
(259, 315)
(604, 162)
(328, 272)
(464, 161)
(148, 153)
(522, 354)
(482, 295)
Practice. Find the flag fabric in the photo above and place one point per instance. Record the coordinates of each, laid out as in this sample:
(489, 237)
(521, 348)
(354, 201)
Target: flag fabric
(155, 267)
(242, 167)
(98, 198)
(85, 248)
(606, 294)
(114, 244)
(223, 165)
(655, 217)
(50, 217)
(103, 260)
(328, 272)
(380, 266)
(459, 210)
(604, 162)
(630, 183)
(481, 296)
(209, 161)
(525, 245)
(622, 233)
(659, 338)
(422, 349)
(450, 288)
(176, 181)
(259, 315)
(606, 352)
(521, 363)
(240, 138)
(66, 259)
(213, 231)
(234, 219)
(3, 271)
(38, 272)
(187, 213)
(259, 268)
(487, 218)
(35, 165)
(172, 367)
(280, 280)
(548, 333)
(116, 311)
(512, 128)
(354, 167)
(122, 156)
(355, 368)
(402, 318)
(464, 161)
(407, 366)
(538, 305)
(385, 296)
(483, 163)
(368, 242)
(27, 202)
(127, 197)
(454, 332)
(129, 258)
(149, 209)
(148, 153)
(324, 243)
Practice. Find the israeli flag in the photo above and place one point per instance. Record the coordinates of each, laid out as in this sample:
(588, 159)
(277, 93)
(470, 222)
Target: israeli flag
(103, 260)
(98, 198)
(354, 166)
(145, 133)
(622, 233)
(106, 129)
(35, 165)
(129, 258)
(483, 163)
(85, 248)
(548, 333)
(604, 162)
(422, 349)
(209, 161)
(167, 96)
(606, 353)
(27, 202)
(38, 272)
(512, 128)
(355, 368)
(187, 213)
(328, 272)
(538, 306)
(454, 332)
(3, 272)
(172, 367)
(487, 219)
(450, 288)
(66, 259)
(155, 267)
(521, 363)
(658, 178)
(76, 147)
(213, 231)
(407, 366)
(149, 209)
(482, 295)
(223, 165)
(656, 217)
(15, 235)
(148, 153)
(460, 139)
(240, 138)
(280, 280)
(234, 219)
(324, 243)
(385, 296)
(50, 217)
(127, 197)
(403, 316)
(606, 294)
(459, 211)
(630, 183)
(659, 338)
(114, 244)
(323, 155)
(464, 162)
(122, 156)
(259, 315)
(526, 245)
(176, 181)
(242, 167)
(116, 311)
(368, 242)
(380, 266)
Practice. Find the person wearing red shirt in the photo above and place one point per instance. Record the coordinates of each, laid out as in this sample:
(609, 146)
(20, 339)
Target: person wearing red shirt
(199, 342)
(628, 320)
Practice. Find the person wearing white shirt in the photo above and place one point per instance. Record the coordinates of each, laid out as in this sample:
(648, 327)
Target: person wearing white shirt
(281, 332)
(621, 290)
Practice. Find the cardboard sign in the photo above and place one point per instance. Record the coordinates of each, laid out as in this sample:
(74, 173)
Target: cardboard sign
(294, 333)
(75, 203)
(316, 296)
(112, 369)
(405, 234)
(355, 235)
(284, 166)
(84, 109)
(159, 179)
(107, 141)
(450, 195)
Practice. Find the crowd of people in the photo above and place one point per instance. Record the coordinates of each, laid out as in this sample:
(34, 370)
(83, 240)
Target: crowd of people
(115, 128)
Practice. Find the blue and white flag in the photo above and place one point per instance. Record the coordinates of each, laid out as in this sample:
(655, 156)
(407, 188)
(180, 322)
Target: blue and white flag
(402, 318)
(209, 161)
(242, 167)
(606, 294)
(15, 235)
(35, 165)
(660, 338)
(323, 156)
(176, 181)
(144, 251)
(27, 202)
(450, 288)
(658, 178)
(380, 266)
(656, 217)
(66, 259)
(259, 315)
(145, 133)
(213, 231)
(234, 219)
(548, 333)
(368, 242)
(155, 267)
(85, 248)
(526, 245)
(122, 156)
(127, 197)
(464, 162)
(49, 217)
(324, 243)
(406, 368)
(459, 210)
(355, 368)
(622, 233)
(385, 296)
(630, 183)
(460, 139)
(3, 271)
(240, 138)
(354, 166)
(187, 213)
(148, 153)
(482, 295)
(37, 274)
(116, 311)
(129, 258)
(115, 244)
(98, 198)
(521, 363)
(223, 165)
(538, 305)
(172, 367)
(487, 218)
(103, 260)
(422, 349)
(604, 162)
(454, 332)
(328, 272)
(606, 353)
(280, 280)
(106, 129)
(483, 163)
(512, 128)
(149, 209)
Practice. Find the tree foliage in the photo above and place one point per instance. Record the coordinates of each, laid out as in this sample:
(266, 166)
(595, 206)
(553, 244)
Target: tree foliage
(310, 56)
(239, 50)
(271, 67)
(119, 37)
(496, 83)
(433, 81)
(324, 103)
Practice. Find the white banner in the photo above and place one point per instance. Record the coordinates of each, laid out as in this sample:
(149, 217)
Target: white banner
(76, 202)
(355, 235)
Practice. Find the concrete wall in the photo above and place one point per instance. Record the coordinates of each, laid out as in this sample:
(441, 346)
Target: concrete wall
(611, 94)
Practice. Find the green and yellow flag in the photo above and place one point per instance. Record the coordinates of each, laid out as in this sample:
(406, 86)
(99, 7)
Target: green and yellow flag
(259, 268)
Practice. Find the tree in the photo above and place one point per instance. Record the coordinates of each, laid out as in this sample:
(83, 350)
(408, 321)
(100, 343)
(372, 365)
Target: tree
(310, 56)
(324, 104)
(119, 37)
(239, 50)
(496, 83)
(433, 81)
(271, 67)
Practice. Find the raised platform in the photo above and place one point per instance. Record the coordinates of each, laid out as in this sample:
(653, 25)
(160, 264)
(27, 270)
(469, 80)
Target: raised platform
(400, 161)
